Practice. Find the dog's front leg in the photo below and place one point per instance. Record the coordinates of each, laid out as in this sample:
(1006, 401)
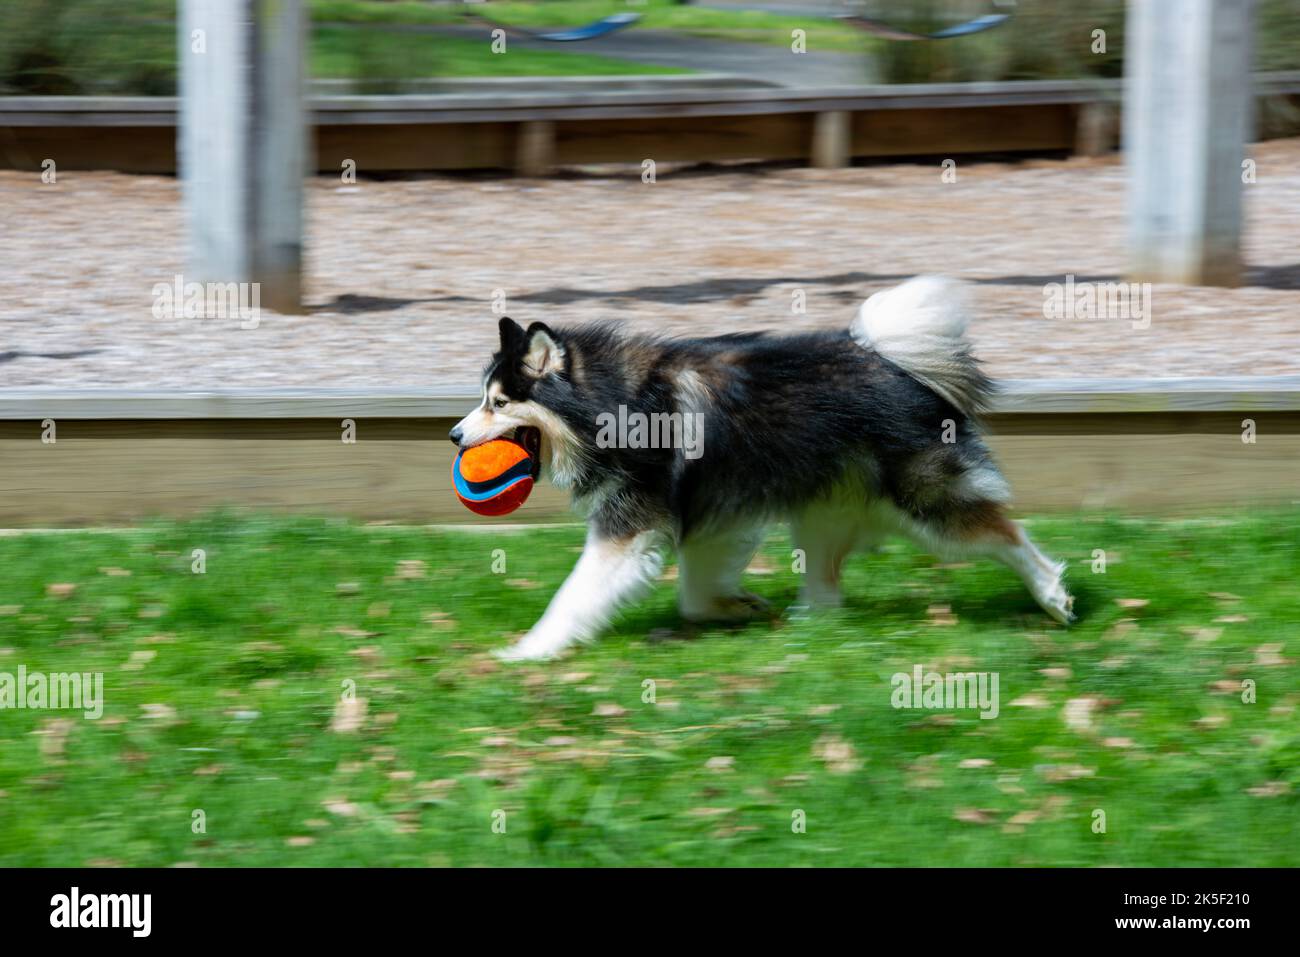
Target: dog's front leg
(610, 573)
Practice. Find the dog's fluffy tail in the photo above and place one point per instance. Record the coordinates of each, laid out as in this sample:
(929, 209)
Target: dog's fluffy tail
(920, 326)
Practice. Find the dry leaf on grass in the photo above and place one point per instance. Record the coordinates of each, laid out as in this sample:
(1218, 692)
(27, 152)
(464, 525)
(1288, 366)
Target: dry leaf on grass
(482, 665)
(1031, 701)
(941, 615)
(435, 790)
(340, 807)
(973, 815)
(1132, 602)
(165, 638)
(410, 568)
(158, 712)
(139, 659)
(348, 632)
(1270, 656)
(53, 733)
(439, 619)
(821, 710)
(60, 589)
(349, 715)
(1269, 789)
(1121, 629)
(836, 753)
(1065, 772)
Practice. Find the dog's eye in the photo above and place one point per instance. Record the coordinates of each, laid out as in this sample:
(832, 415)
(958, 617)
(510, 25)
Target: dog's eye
(499, 402)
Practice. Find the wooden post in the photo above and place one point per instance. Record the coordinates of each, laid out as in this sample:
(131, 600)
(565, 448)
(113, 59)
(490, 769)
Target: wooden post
(535, 148)
(832, 140)
(1187, 118)
(243, 143)
(1096, 125)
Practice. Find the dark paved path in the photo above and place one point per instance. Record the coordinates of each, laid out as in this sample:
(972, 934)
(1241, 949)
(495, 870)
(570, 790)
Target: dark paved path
(773, 64)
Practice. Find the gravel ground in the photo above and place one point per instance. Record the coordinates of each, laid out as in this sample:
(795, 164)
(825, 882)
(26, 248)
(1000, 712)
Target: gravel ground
(402, 272)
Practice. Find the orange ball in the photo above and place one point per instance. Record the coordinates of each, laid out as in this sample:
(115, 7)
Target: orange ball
(493, 478)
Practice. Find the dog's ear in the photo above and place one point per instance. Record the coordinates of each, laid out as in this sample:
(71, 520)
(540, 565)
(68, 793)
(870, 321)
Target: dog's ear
(512, 336)
(544, 354)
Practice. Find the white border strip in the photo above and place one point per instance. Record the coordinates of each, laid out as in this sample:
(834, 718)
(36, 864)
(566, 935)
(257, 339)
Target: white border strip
(1046, 396)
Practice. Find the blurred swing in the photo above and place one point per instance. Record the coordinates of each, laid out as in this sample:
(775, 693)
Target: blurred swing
(878, 28)
(600, 28)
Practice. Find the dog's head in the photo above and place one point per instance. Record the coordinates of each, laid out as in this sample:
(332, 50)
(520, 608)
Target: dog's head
(530, 366)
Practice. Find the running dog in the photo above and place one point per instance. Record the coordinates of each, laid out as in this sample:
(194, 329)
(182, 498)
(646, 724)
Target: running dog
(702, 443)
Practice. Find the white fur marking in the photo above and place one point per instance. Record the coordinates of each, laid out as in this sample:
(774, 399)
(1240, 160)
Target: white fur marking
(609, 574)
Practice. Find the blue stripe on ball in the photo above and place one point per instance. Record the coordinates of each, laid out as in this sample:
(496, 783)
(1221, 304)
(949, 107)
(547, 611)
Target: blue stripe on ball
(482, 491)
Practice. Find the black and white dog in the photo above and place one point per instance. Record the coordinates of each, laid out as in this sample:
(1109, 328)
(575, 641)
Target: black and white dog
(850, 436)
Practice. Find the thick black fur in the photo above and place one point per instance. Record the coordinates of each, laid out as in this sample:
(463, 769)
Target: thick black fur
(788, 418)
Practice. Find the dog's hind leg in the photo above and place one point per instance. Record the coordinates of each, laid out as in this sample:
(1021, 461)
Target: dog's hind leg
(980, 529)
(824, 535)
(950, 499)
(710, 566)
(611, 572)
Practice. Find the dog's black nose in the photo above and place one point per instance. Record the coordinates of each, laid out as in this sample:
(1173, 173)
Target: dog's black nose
(456, 435)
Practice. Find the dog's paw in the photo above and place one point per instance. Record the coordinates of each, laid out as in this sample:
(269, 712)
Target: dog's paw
(514, 653)
(742, 607)
(528, 648)
(1059, 603)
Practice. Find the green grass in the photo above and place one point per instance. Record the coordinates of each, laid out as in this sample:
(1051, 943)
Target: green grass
(340, 52)
(88, 48)
(221, 690)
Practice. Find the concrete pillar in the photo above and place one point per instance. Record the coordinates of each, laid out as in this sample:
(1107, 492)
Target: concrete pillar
(1187, 117)
(535, 148)
(832, 140)
(242, 143)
